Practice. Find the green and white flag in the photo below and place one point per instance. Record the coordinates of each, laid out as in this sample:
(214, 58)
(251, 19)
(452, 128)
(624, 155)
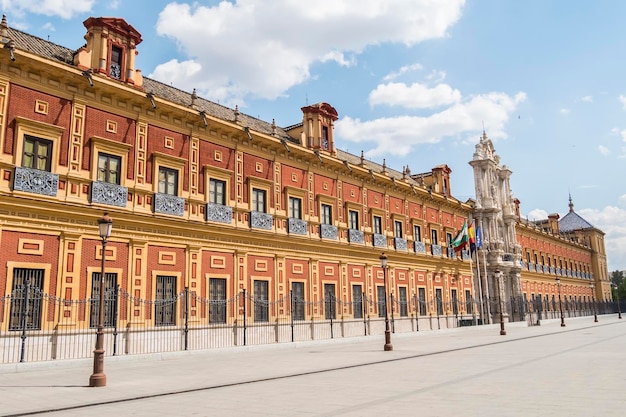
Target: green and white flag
(461, 239)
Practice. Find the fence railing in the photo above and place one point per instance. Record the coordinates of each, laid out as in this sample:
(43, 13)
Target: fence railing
(37, 327)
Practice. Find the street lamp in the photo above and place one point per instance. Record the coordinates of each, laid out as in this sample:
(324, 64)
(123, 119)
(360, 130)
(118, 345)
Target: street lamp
(498, 275)
(98, 378)
(619, 309)
(593, 300)
(383, 265)
(558, 284)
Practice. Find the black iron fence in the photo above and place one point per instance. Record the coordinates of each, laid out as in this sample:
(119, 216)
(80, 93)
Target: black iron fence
(37, 327)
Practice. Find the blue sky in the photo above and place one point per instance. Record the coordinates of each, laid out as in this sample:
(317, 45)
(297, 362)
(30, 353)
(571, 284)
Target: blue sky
(413, 81)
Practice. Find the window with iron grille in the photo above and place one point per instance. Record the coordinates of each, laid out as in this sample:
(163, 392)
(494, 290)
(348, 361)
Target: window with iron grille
(327, 214)
(115, 70)
(353, 218)
(357, 301)
(297, 298)
(217, 192)
(468, 301)
(37, 153)
(422, 301)
(329, 304)
(261, 303)
(168, 181)
(381, 301)
(295, 208)
(455, 306)
(110, 299)
(109, 167)
(165, 301)
(26, 296)
(378, 225)
(404, 310)
(217, 300)
(258, 200)
(439, 301)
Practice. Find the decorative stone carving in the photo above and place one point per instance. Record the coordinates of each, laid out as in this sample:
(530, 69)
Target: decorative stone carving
(36, 181)
(107, 193)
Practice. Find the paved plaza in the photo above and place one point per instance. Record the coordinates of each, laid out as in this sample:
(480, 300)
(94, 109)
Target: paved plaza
(547, 370)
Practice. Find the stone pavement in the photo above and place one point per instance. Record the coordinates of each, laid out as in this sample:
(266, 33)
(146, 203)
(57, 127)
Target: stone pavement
(547, 370)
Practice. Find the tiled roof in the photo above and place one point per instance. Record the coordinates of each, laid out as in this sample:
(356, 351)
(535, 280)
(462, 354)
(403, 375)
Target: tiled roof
(572, 221)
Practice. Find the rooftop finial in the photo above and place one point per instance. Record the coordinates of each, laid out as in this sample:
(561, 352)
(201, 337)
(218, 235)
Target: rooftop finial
(236, 113)
(571, 204)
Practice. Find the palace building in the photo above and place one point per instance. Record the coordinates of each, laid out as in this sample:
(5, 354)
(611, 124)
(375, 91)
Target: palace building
(243, 222)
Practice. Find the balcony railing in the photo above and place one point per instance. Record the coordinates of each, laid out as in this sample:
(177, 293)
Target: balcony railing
(219, 213)
(297, 226)
(420, 247)
(328, 231)
(169, 204)
(450, 253)
(355, 236)
(36, 181)
(259, 220)
(400, 243)
(435, 250)
(110, 194)
(380, 241)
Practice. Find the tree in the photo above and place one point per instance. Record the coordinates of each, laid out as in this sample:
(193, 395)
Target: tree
(618, 280)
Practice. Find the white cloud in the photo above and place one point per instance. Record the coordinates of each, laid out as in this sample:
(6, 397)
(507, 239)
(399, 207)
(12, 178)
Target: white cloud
(65, 9)
(612, 221)
(415, 96)
(405, 132)
(587, 99)
(261, 49)
(436, 76)
(537, 214)
(403, 70)
(564, 111)
(622, 100)
(604, 150)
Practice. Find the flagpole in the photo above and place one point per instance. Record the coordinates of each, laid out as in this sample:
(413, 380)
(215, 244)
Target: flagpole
(480, 285)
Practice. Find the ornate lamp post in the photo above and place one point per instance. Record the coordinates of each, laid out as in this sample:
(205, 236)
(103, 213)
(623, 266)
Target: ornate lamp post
(619, 308)
(593, 300)
(558, 284)
(498, 275)
(98, 378)
(383, 265)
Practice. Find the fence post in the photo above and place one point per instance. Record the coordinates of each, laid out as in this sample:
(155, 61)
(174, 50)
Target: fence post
(245, 329)
(393, 323)
(115, 318)
(186, 318)
(331, 306)
(23, 320)
(291, 312)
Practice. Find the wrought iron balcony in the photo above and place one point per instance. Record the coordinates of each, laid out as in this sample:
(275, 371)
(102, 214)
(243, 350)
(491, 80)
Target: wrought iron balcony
(420, 247)
(328, 231)
(465, 255)
(219, 213)
(107, 193)
(297, 226)
(36, 181)
(259, 220)
(380, 241)
(355, 236)
(435, 250)
(450, 253)
(400, 243)
(169, 204)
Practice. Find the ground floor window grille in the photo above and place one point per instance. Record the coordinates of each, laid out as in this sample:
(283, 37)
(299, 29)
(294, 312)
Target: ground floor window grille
(110, 289)
(217, 300)
(165, 301)
(26, 296)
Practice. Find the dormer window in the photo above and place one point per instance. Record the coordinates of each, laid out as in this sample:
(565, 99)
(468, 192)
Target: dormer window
(115, 70)
(325, 138)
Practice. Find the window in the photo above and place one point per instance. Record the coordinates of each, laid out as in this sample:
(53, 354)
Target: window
(439, 300)
(378, 225)
(433, 237)
(455, 301)
(26, 296)
(325, 144)
(168, 181)
(217, 300)
(297, 300)
(404, 310)
(417, 233)
(329, 304)
(327, 214)
(357, 301)
(353, 218)
(261, 304)
(398, 228)
(449, 239)
(165, 301)
(217, 192)
(295, 208)
(382, 302)
(109, 167)
(422, 301)
(110, 299)
(116, 62)
(258, 200)
(468, 301)
(37, 153)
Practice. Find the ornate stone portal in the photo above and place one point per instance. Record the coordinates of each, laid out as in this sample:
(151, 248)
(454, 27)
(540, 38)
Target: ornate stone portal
(494, 213)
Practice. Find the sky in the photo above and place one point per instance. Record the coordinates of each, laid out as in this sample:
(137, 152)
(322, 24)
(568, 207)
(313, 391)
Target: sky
(415, 82)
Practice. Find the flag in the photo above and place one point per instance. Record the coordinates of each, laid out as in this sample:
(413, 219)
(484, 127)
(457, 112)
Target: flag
(479, 238)
(471, 237)
(460, 240)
